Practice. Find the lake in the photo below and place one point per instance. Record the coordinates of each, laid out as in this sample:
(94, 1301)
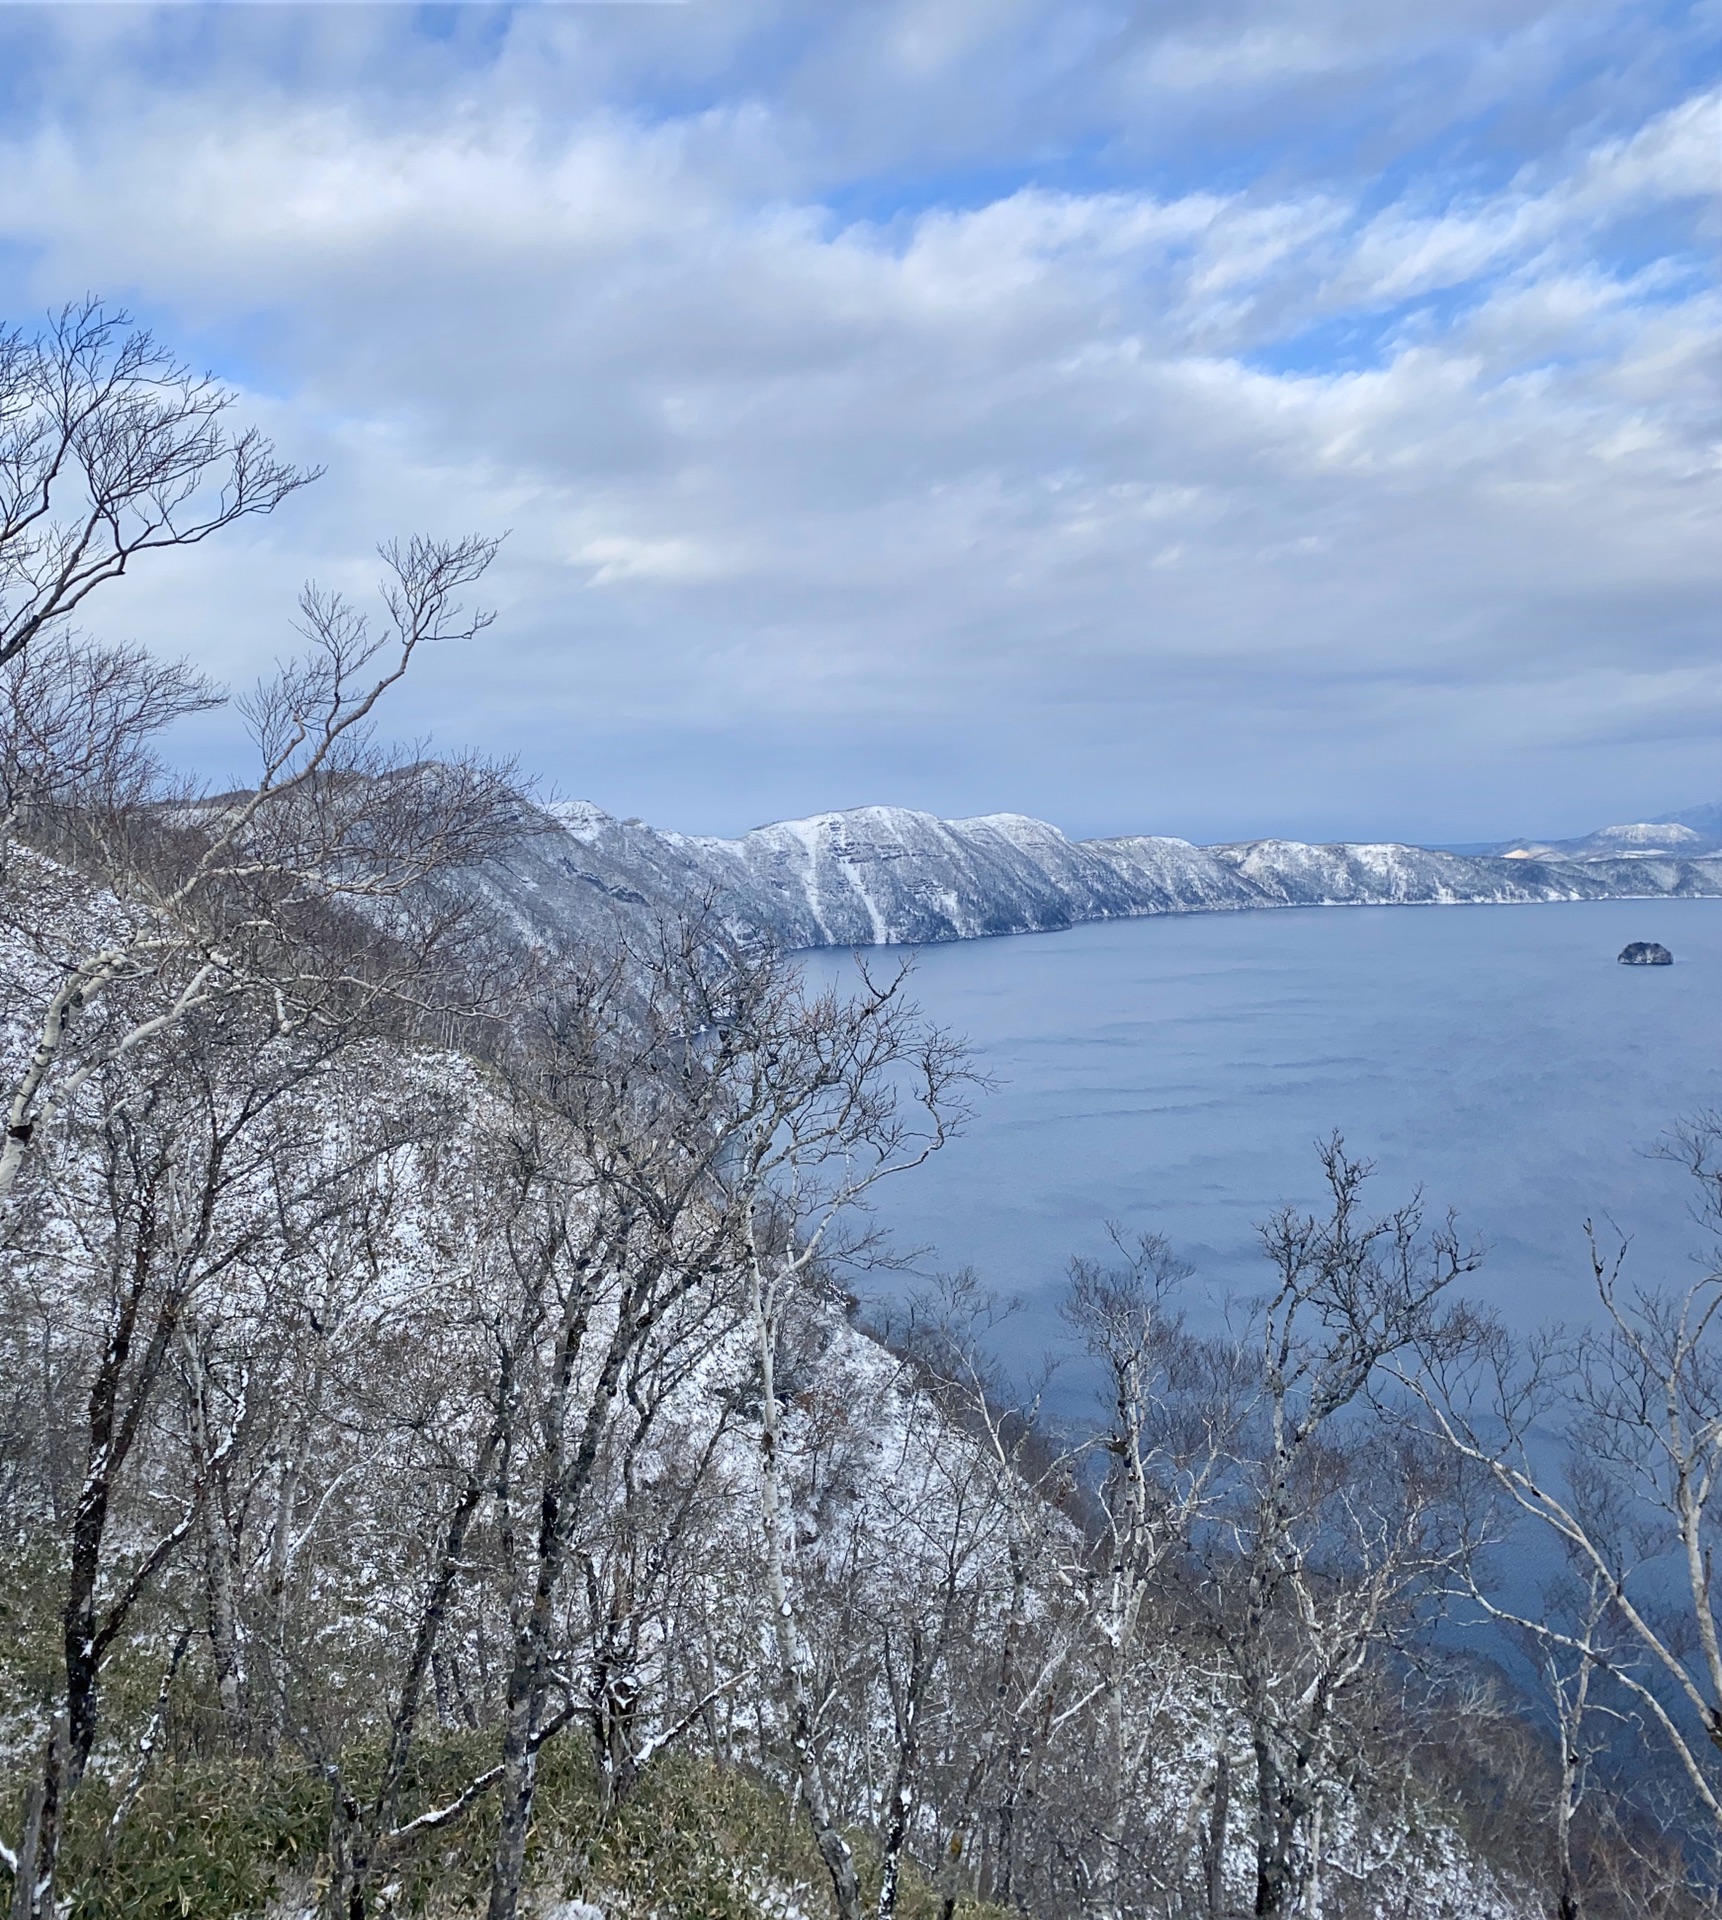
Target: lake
(1172, 1073)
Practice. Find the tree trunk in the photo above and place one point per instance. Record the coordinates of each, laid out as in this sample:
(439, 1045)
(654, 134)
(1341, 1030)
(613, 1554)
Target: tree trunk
(271, 1716)
(519, 1786)
(1111, 1902)
(902, 1780)
(27, 1876)
(1569, 1904)
(1214, 1852)
(1275, 1884)
(834, 1850)
(528, 1677)
(85, 1633)
(219, 1579)
(1312, 1881)
(349, 1863)
(614, 1708)
(950, 1868)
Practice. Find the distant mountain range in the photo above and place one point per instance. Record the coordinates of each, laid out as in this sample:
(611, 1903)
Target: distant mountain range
(875, 876)
(1671, 836)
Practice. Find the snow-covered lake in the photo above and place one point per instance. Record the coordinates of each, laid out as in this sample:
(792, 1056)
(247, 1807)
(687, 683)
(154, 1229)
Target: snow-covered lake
(1172, 1073)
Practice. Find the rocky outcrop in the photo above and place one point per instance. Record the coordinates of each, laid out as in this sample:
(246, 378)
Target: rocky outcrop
(1645, 953)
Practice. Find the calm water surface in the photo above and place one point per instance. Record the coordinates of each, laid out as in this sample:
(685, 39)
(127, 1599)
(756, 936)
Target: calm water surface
(1173, 1073)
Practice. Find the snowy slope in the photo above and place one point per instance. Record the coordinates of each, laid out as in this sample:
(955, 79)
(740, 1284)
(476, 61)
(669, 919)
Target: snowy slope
(889, 1490)
(875, 876)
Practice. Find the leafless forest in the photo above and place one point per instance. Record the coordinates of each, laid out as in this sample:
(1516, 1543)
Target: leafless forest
(441, 1466)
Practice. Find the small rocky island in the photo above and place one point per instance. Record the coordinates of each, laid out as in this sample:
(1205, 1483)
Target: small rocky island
(1645, 953)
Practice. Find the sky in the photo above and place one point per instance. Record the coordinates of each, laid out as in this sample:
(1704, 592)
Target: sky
(1213, 417)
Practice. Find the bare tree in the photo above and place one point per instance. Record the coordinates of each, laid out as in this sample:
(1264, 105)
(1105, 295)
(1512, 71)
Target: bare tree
(941, 1523)
(640, 1098)
(187, 965)
(644, 1534)
(110, 448)
(1019, 1678)
(841, 1094)
(1640, 1400)
(1163, 1441)
(79, 727)
(310, 889)
(1336, 1521)
(396, 1341)
(1570, 1677)
(194, 1163)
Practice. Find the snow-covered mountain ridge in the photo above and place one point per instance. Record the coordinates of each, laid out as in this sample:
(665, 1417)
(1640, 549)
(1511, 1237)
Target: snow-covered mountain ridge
(877, 876)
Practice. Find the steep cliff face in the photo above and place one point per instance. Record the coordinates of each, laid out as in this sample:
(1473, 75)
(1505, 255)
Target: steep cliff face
(876, 876)
(882, 875)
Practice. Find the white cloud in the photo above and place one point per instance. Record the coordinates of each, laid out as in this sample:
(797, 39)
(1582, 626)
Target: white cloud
(1077, 493)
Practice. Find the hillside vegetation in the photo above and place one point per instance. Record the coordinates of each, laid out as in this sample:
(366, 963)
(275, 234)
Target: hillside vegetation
(441, 1469)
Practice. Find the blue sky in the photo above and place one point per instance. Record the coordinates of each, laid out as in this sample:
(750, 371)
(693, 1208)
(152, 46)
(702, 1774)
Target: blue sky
(1215, 419)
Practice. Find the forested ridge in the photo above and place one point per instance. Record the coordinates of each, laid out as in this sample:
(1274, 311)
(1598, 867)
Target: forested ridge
(443, 1465)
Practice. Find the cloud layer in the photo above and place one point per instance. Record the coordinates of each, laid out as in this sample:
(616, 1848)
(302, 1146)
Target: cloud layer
(1213, 420)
